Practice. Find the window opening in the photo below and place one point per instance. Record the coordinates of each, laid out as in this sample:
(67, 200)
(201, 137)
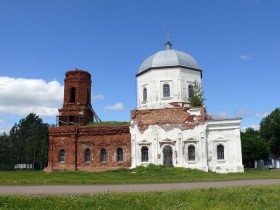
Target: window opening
(166, 90)
(220, 152)
(191, 92)
(87, 155)
(144, 154)
(62, 156)
(191, 152)
(71, 118)
(119, 155)
(103, 155)
(145, 94)
(72, 94)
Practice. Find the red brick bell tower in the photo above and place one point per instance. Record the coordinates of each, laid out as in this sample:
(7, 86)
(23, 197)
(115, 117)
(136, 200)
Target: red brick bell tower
(81, 147)
(76, 108)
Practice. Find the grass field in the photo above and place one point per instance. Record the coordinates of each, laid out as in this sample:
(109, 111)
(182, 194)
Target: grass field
(150, 174)
(267, 197)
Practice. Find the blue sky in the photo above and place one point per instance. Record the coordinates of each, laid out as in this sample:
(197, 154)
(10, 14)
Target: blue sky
(236, 44)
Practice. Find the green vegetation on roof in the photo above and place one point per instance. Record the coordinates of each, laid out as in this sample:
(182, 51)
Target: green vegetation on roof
(108, 123)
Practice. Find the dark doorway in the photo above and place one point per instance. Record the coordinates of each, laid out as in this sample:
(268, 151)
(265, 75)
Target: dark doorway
(167, 156)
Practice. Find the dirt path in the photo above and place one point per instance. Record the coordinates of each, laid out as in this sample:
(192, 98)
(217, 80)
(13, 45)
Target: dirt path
(93, 189)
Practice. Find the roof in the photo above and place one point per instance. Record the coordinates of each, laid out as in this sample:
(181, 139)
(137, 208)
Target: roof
(168, 58)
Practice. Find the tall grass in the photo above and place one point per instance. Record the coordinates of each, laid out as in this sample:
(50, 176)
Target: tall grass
(214, 198)
(150, 174)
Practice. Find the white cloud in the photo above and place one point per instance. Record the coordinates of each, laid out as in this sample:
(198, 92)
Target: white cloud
(21, 96)
(261, 115)
(255, 127)
(115, 107)
(222, 114)
(97, 97)
(5, 129)
(42, 111)
(244, 112)
(247, 56)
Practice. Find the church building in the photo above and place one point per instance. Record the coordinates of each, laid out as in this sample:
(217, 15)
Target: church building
(165, 129)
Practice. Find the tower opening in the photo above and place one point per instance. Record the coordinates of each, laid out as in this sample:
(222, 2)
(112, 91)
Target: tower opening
(72, 94)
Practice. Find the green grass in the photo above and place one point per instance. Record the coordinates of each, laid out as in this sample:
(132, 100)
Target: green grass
(107, 123)
(150, 174)
(267, 197)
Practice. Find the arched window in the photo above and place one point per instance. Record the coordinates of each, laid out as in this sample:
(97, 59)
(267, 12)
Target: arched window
(191, 152)
(145, 94)
(220, 152)
(190, 90)
(72, 94)
(166, 90)
(119, 155)
(62, 156)
(87, 155)
(103, 155)
(144, 154)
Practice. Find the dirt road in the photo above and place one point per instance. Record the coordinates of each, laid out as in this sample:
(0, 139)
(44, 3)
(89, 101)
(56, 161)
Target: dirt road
(93, 189)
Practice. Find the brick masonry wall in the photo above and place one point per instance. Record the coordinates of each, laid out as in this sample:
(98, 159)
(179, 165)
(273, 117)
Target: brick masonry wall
(76, 139)
(79, 79)
(168, 118)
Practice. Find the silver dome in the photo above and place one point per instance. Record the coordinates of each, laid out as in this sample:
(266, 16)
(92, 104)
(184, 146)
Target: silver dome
(167, 58)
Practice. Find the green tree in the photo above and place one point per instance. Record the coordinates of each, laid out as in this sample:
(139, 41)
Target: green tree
(29, 140)
(196, 97)
(5, 151)
(253, 147)
(270, 131)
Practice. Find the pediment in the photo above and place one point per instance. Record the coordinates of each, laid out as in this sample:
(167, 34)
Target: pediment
(167, 141)
(190, 140)
(86, 142)
(144, 142)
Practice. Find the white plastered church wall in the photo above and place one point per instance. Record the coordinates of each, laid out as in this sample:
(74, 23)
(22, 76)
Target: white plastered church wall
(205, 138)
(178, 80)
(155, 138)
(227, 133)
